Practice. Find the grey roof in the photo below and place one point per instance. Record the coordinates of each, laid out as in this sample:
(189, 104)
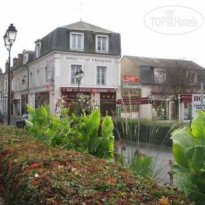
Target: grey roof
(83, 26)
(163, 63)
(146, 66)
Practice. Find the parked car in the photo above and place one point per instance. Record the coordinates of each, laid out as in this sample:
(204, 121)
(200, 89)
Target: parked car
(20, 123)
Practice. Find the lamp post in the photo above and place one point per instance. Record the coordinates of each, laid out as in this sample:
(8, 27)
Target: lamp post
(9, 38)
(78, 76)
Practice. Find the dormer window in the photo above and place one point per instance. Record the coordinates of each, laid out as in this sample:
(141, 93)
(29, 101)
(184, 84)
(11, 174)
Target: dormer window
(77, 41)
(191, 77)
(38, 49)
(102, 43)
(159, 75)
(25, 59)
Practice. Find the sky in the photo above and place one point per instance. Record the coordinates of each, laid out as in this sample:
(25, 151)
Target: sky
(143, 25)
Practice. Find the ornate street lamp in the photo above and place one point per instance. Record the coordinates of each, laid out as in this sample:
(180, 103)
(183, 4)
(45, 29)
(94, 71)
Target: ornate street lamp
(79, 76)
(9, 38)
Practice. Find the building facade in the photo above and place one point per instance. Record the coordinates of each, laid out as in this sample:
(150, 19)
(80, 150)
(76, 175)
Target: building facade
(48, 74)
(160, 89)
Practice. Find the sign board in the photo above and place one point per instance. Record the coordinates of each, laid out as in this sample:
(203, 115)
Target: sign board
(196, 103)
(130, 78)
(132, 85)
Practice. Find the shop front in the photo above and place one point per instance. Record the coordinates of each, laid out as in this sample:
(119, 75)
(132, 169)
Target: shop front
(103, 98)
(41, 99)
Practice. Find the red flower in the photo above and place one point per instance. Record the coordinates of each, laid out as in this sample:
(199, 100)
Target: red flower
(35, 166)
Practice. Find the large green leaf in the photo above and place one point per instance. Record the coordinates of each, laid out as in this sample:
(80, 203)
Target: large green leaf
(107, 127)
(92, 122)
(198, 125)
(196, 157)
(182, 140)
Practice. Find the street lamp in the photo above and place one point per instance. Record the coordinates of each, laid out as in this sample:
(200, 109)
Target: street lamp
(9, 38)
(79, 76)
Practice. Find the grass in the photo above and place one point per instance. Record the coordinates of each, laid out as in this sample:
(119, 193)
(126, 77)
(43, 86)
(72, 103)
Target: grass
(152, 138)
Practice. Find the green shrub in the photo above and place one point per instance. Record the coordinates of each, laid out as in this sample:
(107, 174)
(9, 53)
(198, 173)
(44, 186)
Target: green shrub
(189, 154)
(142, 165)
(33, 173)
(87, 133)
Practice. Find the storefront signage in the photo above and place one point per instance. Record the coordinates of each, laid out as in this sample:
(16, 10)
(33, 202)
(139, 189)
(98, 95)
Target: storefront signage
(89, 90)
(89, 59)
(132, 85)
(136, 101)
(196, 103)
(108, 96)
(130, 78)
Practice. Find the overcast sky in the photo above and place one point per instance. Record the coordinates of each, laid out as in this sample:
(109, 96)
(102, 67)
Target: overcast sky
(138, 22)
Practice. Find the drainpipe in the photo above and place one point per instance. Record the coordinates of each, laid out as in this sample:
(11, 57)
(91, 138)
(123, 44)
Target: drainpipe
(202, 96)
(179, 108)
(28, 85)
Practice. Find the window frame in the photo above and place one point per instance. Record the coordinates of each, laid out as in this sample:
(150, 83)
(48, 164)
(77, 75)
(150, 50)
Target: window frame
(100, 75)
(157, 79)
(76, 48)
(38, 49)
(101, 50)
(189, 78)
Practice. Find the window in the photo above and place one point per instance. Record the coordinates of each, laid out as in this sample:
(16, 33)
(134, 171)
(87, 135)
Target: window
(38, 49)
(159, 75)
(191, 77)
(77, 41)
(102, 43)
(101, 75)
(74, 69)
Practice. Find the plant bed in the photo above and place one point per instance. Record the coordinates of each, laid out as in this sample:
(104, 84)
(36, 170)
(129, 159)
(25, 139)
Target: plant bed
(33, 173)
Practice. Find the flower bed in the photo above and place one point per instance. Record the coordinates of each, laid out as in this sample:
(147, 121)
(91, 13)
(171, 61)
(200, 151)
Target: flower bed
(32, 173)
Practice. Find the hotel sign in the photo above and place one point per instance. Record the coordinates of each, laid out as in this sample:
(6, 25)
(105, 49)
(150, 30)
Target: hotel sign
(84, 59)
(196, 103)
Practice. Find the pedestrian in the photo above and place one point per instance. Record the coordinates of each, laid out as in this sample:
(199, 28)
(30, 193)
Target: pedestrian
(1, 117)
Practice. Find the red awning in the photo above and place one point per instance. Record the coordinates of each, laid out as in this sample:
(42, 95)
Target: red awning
(186, 98)
(88, 90)
(14, 100)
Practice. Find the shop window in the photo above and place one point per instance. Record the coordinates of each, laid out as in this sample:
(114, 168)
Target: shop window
(159, 75)
(159, 110)
(125, 92)
(187, 111)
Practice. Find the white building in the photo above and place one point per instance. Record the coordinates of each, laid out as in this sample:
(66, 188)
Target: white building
(47, 74)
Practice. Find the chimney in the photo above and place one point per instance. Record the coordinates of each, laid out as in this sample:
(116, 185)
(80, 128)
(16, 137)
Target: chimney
(20, 58)
(15, 60)
(6, 66)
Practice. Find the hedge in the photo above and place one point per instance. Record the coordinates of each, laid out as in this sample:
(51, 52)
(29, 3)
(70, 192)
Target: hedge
(144, 131)
(33, 173)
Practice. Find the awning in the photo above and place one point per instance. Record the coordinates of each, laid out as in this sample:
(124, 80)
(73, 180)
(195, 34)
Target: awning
(88, 90)
(134, 101)
(186, 98)
(14, 100)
